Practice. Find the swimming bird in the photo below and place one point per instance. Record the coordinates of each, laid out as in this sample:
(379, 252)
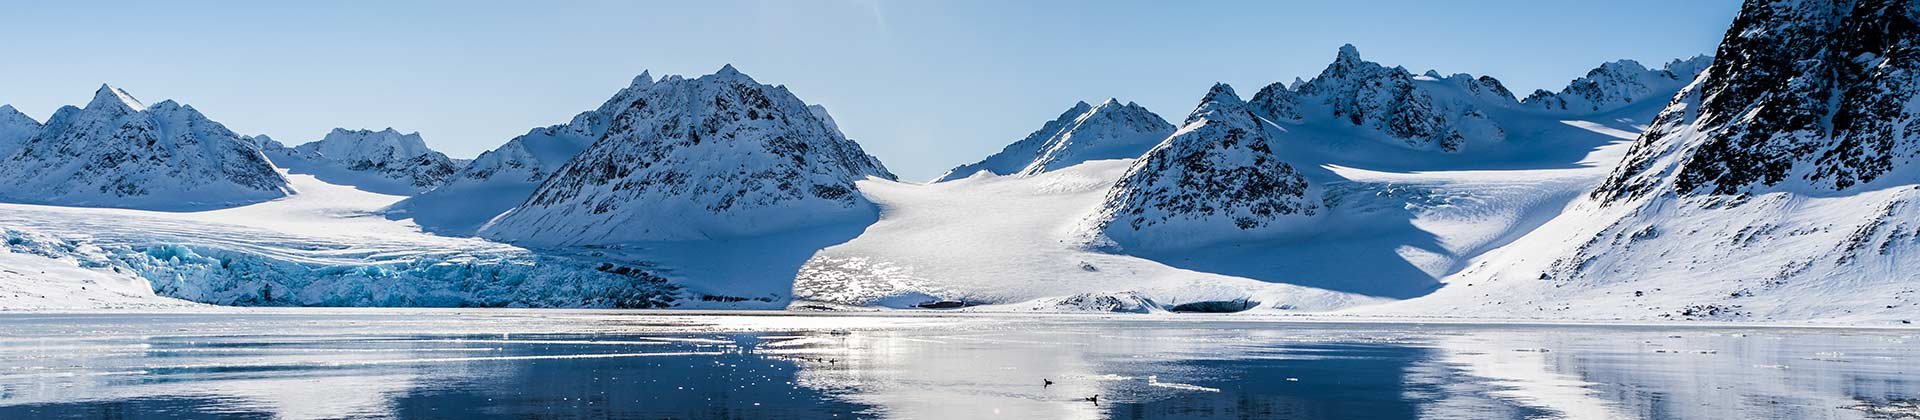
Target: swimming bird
(1046, 382)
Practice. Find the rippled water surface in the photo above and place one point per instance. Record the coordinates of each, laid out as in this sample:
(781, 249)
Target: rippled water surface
(581, 364)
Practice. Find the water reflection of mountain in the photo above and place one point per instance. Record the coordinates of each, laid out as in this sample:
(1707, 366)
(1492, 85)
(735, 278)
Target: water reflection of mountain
(524, 364)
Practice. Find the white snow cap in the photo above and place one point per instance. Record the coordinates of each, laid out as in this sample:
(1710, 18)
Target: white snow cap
(1083, 133)
(1220, 97)
(10, 116)
(114, 97)
(342, 143)
(643, 80)
(727, 72)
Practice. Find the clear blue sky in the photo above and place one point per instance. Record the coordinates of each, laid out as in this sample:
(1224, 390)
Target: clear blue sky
(924, 85)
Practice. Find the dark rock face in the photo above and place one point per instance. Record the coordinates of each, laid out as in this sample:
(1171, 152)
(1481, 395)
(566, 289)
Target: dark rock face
(1216, 176)
(1368, 94)
(717, 156)
(1277, 102)
(1814, 93)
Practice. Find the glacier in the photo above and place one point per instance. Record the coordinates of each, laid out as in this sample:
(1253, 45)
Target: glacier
(324, 247)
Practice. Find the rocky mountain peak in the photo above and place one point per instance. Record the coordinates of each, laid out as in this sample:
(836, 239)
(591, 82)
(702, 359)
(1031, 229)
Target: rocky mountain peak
(363, 144)
(114, 99)
(116, 152)
(399, 163)
(1801, 95)
(1220, 98)
(1391, 102)
(716, 156)
(1216, 178)
(643, 80)
(1614, 85)
(1349, 56)
(728, 73)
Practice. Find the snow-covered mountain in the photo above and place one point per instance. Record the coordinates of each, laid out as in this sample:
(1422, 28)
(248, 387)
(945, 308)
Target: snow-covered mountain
(1110, 130)
(1391, 102)
(263, 142)
(15, 129)
(1279, 201)
(1781, 184)
(1214, 179)
(383, 161)
(502, 178)
(1618, 84)
(712, 157)
(117, 152)
(1447, 113)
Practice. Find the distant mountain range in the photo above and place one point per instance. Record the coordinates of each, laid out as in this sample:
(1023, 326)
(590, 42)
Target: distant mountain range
(1773, 180)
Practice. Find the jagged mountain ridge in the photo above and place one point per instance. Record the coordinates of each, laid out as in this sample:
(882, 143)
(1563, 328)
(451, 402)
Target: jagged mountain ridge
(1773, 113)
(1390, 102)
(1427, 113)
(712, 157)
(1448, 113)
(1216, 178)
(1780, 184)
(1084, 132)
(1617, 84)
(401, 163)
(117, 152)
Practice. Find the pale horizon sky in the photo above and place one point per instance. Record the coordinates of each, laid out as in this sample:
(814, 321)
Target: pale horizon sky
(924, 86)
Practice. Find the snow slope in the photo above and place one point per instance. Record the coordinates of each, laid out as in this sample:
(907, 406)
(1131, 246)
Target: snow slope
(117, 152)
(1386, 232)
(1013, 241)
(386, 161)
(719, 156)
(1780, 184)
(1085, 132)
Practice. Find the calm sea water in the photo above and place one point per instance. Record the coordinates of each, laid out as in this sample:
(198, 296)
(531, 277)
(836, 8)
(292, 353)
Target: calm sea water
(582, 364)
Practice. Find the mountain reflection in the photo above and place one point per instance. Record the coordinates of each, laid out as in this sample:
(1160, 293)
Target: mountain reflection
(359, 364)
